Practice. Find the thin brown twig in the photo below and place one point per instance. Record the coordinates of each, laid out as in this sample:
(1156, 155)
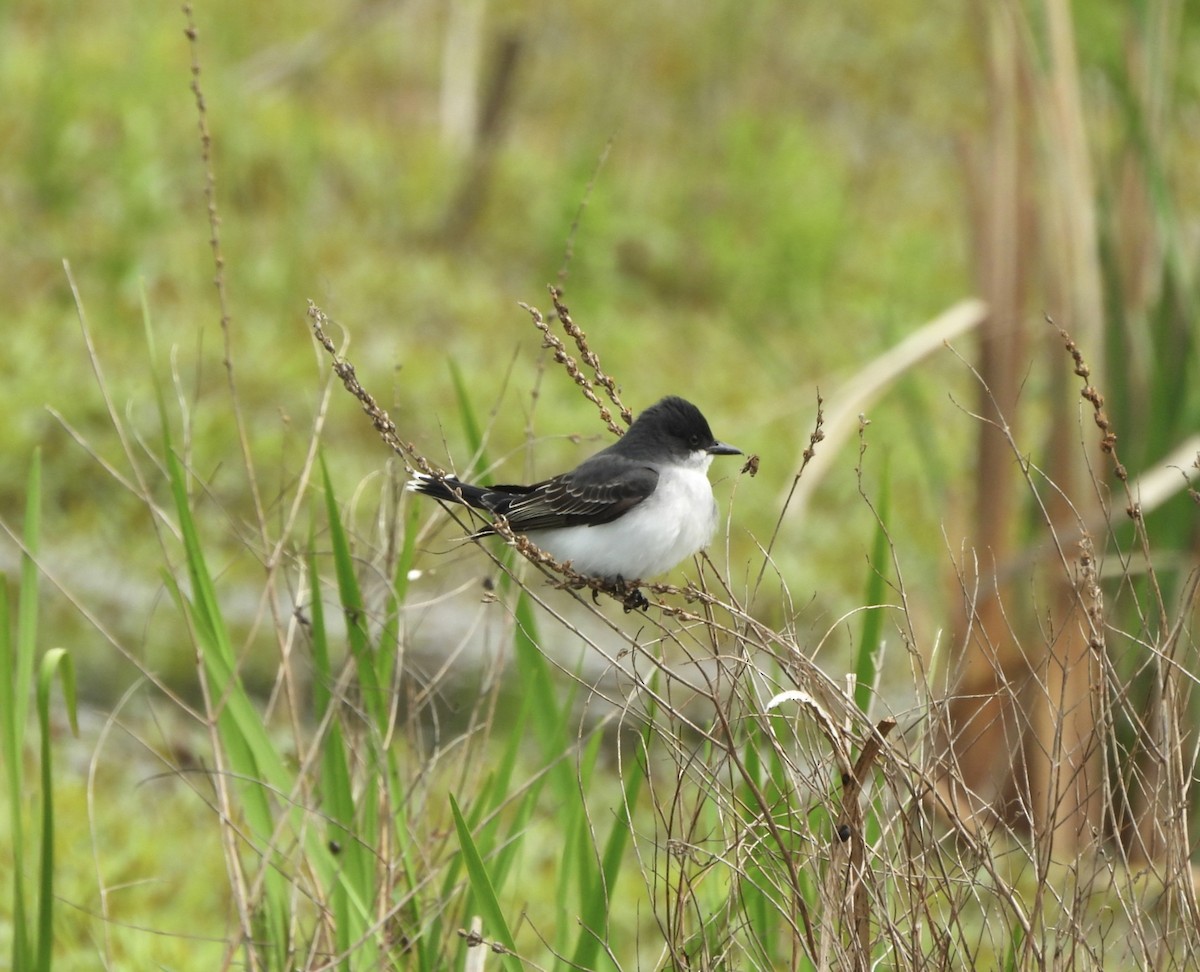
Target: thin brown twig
(553, 342)
(1108, 445)
(817, 434)
(214, 240)
(589, 356)
(380, 420)
(851, 833)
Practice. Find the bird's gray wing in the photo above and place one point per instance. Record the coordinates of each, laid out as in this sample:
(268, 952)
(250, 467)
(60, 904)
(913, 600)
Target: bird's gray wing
(586, 496)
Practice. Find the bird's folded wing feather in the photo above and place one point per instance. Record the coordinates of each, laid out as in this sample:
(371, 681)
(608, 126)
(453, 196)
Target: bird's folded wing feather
(579, 498)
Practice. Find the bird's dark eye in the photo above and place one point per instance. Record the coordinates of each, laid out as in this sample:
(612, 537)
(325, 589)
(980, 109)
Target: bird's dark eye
(694, 441)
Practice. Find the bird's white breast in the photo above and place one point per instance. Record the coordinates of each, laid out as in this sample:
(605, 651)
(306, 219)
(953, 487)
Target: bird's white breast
(677, 520)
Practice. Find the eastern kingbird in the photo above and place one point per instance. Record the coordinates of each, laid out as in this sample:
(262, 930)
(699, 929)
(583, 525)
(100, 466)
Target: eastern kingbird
(631, 511)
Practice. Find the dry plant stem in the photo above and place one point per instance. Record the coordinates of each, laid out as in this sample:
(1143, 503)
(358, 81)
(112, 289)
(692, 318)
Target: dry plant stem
(569, 248)
(380, 420)
(1003, 215)
(214, 224)
(628, 593)
(270, 594)
(817, 434)
(589, 356)
(228, 829)
(901, 589)
(142, 490)
(1108, 445)
(1162, 832)
(554, 342)
(851, 834)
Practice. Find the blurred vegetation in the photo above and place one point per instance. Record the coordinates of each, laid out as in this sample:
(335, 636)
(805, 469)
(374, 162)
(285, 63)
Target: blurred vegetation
(783, 196)
(780, 203)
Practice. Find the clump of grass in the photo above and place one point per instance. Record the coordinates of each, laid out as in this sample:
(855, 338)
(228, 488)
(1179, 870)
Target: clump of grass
(27, 673)
(718, 800)
(790, 828)
(759, 811)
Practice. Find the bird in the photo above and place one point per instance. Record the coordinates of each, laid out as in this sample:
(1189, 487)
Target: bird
(630, 512)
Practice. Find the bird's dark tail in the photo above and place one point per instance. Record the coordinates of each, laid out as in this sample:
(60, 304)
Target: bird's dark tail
(449, 489)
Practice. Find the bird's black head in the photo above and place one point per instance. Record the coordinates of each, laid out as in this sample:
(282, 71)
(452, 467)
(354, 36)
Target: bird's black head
(676, 426)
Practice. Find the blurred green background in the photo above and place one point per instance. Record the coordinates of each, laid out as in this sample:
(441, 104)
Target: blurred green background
(786, 193)
(782, 201)
(776, 194)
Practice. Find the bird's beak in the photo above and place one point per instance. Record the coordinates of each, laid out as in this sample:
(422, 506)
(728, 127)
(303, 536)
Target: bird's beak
(721, 449)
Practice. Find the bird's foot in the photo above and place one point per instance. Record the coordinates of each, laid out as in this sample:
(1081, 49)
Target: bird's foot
(619, 589)
(632, 598)
(635, 600)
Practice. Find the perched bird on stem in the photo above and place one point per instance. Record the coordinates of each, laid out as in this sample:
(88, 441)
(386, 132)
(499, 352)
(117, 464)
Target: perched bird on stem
(631, 511)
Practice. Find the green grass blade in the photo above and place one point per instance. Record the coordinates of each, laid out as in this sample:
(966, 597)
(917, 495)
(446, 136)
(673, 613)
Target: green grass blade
(492, 796)
(866, 663)
(252, 756)
(238, 717)
(578, 866)
(354, 608)
(512, 844)
(471, 427)
(548, 715)
(335, 787)
(323, 680)
(352, 855)
(762, 916)
(1016, 945)
(13, 763)
(496, 792)
(408, 553)
(597, 899)
(495, 924)
(352, 889)
(27, 600)
(356, 866)
(16, 686)
(390, 632)
(55, 661)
